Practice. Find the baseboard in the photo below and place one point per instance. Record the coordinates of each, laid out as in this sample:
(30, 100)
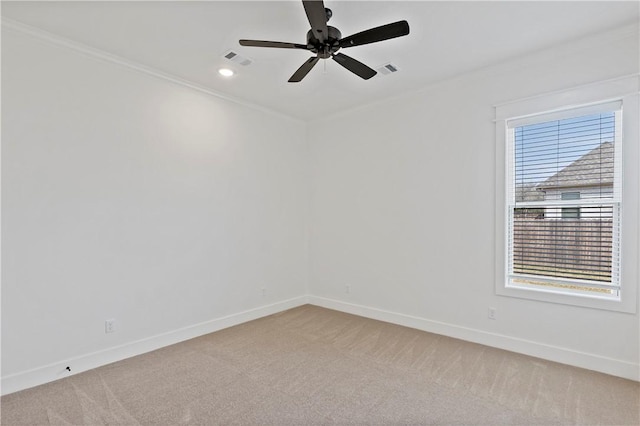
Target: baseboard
(588, 361)
(38, 376)
(41, 375)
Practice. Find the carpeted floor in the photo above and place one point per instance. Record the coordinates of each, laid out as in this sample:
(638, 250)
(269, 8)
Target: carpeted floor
(311, 365)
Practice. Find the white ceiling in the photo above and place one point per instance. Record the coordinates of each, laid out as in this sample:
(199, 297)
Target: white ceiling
(188, 39)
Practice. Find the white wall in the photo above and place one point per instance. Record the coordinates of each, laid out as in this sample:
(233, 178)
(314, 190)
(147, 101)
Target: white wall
(403, 207)
(129, 197)
(126, 196)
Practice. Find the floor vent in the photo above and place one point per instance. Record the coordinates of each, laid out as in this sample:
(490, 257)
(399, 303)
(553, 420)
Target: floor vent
(235, 57)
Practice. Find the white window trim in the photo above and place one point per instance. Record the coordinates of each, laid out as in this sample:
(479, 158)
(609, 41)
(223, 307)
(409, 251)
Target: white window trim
(625, 89)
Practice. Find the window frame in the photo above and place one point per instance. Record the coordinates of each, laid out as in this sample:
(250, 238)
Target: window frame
(624, 90)
(568, 207)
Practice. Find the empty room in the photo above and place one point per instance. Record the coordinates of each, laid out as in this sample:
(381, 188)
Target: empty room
(320, 212)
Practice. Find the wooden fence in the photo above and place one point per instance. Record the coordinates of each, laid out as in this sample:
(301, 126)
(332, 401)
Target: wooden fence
(570, 248)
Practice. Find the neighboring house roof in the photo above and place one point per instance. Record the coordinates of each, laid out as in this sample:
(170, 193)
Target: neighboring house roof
(528, 193)
(595, 168)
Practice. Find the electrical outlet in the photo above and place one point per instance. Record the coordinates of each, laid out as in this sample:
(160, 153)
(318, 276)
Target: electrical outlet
(264, 292)
(492, 313)
(347, 289)
(110, 326)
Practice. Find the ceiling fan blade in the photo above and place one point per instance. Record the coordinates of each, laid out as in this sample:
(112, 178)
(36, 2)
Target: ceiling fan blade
(317, 18)
(303, 70)
(384, 32)
(354, 66)
(280, 44)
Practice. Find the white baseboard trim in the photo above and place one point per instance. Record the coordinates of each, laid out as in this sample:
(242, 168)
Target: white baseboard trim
(48, 373)
(588, 361)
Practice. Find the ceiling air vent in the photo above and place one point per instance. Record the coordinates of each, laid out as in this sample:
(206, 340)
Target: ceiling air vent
(387, 69)
(235, 57)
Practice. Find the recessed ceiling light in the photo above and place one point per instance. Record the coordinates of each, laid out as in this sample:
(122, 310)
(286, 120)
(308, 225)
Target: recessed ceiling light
(226, 72)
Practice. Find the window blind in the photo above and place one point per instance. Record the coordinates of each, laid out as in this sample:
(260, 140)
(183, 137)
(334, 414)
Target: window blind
(564, 205)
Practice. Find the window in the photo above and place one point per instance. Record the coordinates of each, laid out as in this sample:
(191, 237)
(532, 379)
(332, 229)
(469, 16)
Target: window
(575, 247)
(567, 216)
(570, 195)
(570, 212)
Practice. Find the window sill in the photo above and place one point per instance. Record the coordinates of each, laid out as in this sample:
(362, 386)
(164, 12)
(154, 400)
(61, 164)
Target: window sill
(609, 304)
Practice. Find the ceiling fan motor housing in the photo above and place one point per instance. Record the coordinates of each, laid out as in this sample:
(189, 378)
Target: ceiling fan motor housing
(326, 49)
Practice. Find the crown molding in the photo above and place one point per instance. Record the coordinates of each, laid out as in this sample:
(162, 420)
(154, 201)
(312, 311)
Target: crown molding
(514, 64)
(104, 56)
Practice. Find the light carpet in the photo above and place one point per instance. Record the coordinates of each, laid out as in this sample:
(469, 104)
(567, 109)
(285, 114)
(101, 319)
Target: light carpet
(311, 365)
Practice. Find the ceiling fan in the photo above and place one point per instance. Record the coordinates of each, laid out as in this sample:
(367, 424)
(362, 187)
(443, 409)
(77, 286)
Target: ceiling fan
(325, 41)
